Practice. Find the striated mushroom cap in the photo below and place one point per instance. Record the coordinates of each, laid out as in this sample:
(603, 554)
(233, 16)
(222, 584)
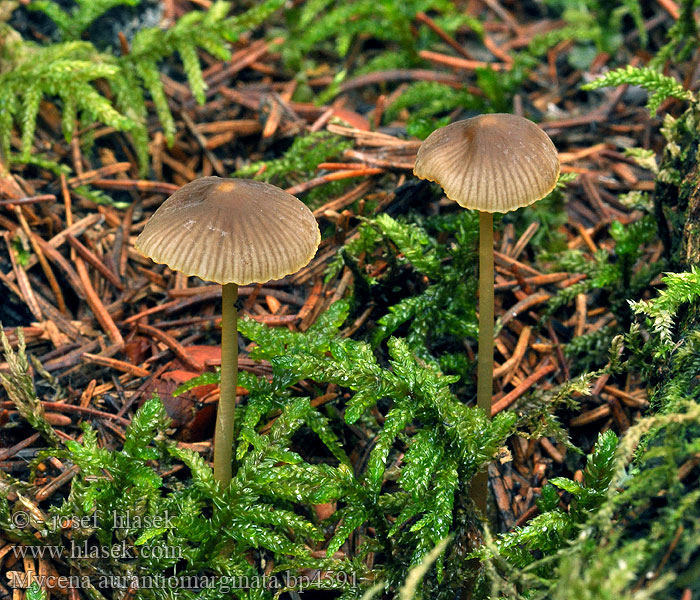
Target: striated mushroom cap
(231, 231)
(493, 163)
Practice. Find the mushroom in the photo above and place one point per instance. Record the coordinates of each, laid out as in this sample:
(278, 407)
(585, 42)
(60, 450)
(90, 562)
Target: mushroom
(492, 163)
(232, 232)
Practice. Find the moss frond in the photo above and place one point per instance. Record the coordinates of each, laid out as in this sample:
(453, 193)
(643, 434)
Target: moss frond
(71, 24)
(68, 70)
(661, 86)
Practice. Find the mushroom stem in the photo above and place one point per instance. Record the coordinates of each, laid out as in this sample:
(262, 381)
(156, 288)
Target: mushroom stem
(484, 371)
(223, 435)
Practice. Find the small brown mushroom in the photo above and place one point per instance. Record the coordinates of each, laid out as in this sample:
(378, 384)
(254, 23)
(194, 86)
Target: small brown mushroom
(493, 163)
(232, 232)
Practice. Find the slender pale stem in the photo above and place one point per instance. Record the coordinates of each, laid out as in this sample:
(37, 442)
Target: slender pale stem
(484, 372)
(223, 435)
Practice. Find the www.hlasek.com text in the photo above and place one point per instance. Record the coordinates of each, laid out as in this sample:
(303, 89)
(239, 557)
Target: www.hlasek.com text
(77, 550)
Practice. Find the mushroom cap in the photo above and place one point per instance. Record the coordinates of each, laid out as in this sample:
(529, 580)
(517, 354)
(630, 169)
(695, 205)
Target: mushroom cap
(231, 231)
(493, 163)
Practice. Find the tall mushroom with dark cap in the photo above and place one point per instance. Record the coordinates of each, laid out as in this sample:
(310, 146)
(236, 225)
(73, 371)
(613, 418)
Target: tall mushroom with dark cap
(492, 163)
(232, 232)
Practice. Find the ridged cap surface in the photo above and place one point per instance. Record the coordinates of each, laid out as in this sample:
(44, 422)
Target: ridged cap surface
(492, 163)
(231, 231)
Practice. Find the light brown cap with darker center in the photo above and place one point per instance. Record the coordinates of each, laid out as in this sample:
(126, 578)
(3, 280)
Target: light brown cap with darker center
(231, 231)
(492, 163)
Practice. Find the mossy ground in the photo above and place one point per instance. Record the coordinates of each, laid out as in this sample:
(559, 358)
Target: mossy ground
(357, 438)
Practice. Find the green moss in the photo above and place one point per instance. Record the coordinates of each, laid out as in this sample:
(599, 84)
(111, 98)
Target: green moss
(68, 70)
